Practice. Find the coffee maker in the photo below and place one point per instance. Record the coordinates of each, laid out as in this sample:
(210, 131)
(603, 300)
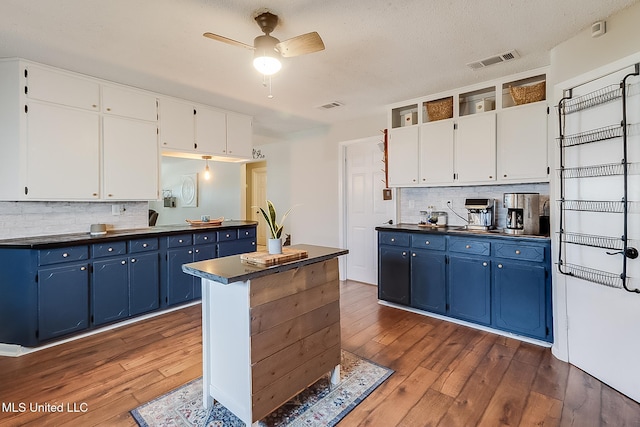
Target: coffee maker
(480, 215)
(523, 213)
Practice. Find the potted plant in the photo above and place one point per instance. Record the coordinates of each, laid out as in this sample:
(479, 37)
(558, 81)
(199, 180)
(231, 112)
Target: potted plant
(274, 244)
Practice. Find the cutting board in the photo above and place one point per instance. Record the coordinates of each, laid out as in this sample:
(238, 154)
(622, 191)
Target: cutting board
(265, 259)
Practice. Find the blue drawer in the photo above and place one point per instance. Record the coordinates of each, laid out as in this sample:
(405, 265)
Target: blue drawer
(143, 245)
(519, 251)
(393, 239)
(54, 256)
(204, 238)
(179, 240)
(99, 250)
(469, 246)
(226, 235)
(426, 241)
(246, 233)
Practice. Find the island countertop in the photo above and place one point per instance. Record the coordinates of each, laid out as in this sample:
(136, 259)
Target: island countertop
(232, 269)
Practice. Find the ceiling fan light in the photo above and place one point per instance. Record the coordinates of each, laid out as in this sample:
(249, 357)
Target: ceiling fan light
(266, 64)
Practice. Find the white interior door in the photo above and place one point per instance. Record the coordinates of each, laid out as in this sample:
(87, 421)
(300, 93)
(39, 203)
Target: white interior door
(365, 209)
(259, 198)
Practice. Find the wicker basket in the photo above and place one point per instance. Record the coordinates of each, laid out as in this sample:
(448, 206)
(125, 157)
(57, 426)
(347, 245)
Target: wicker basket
(440, 109)
(526, 94)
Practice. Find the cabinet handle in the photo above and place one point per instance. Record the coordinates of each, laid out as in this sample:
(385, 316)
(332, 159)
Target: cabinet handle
(228, 235)
(393, 240)
(94, 194)
(110, 249)
(517, 252)
(64, 255)
(205, 238)
(427, 242)
(179, 240)
(190, 252)
(490, 176)
(144, 245)
(164, 143)
(505, 175)
(83, 268)
(108, 109)
(468, 246)
(110, 195)
(133, 260)
(499, 265)
(123, 262)
(197, 251)
(413, 254)
(94, 106)
(484, 264)
(253, 243)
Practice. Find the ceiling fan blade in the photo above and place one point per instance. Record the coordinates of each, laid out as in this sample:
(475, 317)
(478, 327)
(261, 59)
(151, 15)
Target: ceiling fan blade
(300, 45)
(227, 40)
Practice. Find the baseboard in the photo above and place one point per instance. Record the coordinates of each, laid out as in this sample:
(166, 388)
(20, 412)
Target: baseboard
(15, 350)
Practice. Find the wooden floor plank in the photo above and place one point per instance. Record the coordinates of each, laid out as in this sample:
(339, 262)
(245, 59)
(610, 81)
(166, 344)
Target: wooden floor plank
(445, 374)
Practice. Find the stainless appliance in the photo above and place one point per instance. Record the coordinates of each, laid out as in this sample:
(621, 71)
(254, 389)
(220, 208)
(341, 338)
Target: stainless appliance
(523, 213)
(481, 213)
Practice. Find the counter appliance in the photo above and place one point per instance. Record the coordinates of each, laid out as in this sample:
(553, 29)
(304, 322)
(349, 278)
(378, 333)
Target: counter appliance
(480, 214)
(523, 213)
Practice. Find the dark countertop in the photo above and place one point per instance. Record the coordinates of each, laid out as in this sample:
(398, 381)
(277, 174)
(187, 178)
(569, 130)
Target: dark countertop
(232, 269)
(57, 240)
(457, 231)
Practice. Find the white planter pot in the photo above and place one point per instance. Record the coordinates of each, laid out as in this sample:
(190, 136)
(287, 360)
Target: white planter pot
(274, 246)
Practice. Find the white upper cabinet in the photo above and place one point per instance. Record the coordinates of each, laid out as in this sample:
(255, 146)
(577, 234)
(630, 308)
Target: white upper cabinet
(476, 148)
(402, 156)
(130, 159)
(522, 143)
(211, 131)
(437, 152)
(239, 136)
(59, 87)
(177, 126)
(126, 102)
(62, 158)
(492, 132)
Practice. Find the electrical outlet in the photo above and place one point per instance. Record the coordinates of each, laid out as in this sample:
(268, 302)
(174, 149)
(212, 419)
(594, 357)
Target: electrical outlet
(117, 210)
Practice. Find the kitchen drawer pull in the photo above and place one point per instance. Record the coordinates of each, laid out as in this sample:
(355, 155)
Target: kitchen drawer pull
(179, 240)
(499, 265)
(83, 268)
(468, 246)
(484, 264)
(197, 251)
(205, 238)
(413, 254)
(190, 252)
(517, 252)
(110, 250)
(393, 239)
(65, 255)
(427, 242)
(144, 245)
(133, 260)
(404, 254)
(123, 262)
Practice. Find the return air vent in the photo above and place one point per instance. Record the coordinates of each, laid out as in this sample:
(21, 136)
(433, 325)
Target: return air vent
(497, 59)
(331, 105)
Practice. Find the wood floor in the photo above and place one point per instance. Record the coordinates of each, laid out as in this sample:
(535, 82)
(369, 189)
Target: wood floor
(445, 374)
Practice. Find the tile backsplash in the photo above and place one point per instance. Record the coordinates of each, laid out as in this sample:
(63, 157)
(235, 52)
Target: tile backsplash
(414, 200)
(25, 219)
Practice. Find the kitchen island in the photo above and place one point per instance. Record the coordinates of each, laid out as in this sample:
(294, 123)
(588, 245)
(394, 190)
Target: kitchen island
(268, 332)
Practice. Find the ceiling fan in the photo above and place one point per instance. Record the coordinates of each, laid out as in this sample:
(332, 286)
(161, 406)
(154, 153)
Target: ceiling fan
(269, 49)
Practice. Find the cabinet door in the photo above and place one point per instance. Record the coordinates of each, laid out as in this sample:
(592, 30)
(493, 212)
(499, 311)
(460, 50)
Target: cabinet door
(239, 136)
(469, 289)
(62, 88)
(236, 247)
(522, 143)
(394, 274)
(428, 281)
(180, 284)
(202, 253)
(62, 153)
(144, 283)
(476, 148)
(176, 125)
(519, 298)
(125, 102)
(110, 290)
(436, 152)
(63, 300)
(130, 151)
(403, 156)
(211, 131)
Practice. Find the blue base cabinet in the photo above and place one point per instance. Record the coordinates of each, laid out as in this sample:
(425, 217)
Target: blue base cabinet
(501, 282)
(49, 293)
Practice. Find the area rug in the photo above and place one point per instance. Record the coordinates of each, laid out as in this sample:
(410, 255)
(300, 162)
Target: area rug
(319, 405)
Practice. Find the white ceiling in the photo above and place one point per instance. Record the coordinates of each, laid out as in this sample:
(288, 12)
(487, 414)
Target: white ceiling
(377, 51)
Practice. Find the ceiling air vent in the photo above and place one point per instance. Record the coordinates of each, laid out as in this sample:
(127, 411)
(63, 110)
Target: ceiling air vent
(497, 59)
(331, 105)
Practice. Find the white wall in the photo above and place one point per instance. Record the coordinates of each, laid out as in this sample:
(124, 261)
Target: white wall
(603, 320)
(303, 171)
(219, 196)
